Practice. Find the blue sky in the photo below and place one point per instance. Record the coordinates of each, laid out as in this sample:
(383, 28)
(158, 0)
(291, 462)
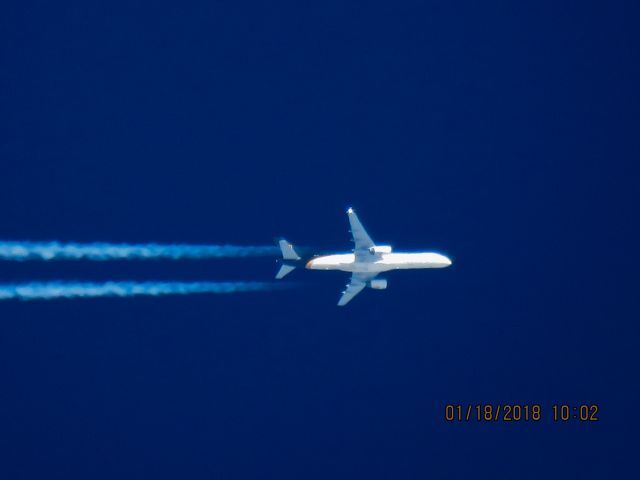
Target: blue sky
(501, 134)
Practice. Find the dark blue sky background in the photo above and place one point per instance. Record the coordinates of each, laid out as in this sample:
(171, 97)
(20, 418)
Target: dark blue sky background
(503, 134)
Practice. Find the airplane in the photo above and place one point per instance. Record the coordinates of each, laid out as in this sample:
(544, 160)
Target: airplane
(365, 263)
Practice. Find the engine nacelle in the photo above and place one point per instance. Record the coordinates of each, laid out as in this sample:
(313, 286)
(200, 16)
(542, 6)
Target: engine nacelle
(378, 283)
(380, 249)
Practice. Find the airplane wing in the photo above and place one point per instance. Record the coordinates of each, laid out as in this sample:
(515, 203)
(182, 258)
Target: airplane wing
(357, 283)
(361, 239)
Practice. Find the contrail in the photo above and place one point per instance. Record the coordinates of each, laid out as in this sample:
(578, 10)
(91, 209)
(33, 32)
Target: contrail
(20, 251)
(53, 290)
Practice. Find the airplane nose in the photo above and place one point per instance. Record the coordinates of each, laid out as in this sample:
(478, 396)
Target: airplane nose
(447, 261)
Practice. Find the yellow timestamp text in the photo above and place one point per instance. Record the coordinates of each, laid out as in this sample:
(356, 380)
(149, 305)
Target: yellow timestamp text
(514, 412)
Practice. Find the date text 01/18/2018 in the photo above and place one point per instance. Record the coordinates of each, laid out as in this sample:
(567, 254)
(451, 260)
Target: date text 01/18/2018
(519, 413)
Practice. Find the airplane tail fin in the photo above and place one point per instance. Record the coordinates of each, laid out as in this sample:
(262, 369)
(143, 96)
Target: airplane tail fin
(284, 270)
(289, 256)
(288, 253)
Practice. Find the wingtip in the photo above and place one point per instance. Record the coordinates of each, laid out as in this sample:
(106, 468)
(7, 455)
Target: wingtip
(350, 210)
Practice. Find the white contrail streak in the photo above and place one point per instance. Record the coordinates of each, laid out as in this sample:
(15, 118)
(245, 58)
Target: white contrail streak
(53, 290)
(20, 251)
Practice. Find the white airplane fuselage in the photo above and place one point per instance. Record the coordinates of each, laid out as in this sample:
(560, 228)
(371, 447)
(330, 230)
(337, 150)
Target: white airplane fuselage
(378, 262)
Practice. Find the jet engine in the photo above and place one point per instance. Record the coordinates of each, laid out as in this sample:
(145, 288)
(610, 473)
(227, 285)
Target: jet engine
(378, 283)
(380, 249)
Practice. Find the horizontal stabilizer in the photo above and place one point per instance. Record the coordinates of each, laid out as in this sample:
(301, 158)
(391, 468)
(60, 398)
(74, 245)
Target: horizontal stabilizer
(284, 270)
(288, 253)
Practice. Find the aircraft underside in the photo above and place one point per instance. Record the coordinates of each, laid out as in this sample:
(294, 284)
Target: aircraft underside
(366, 261)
